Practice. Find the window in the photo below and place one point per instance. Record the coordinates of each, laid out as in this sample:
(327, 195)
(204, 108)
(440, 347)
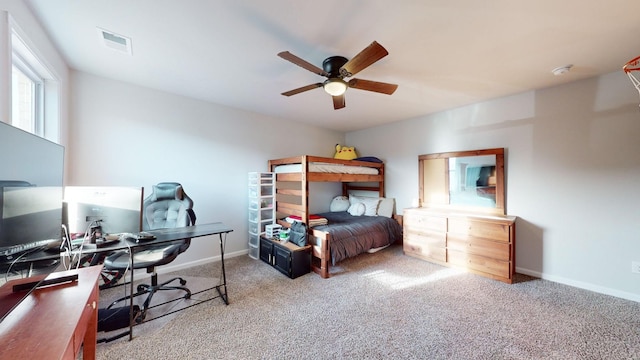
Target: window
(34, 91)
(26, 96)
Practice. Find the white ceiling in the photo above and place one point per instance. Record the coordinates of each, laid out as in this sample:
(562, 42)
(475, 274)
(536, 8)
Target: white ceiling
(442, 53)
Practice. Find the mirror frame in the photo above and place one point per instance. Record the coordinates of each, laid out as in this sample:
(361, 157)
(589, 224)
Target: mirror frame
(500, 184)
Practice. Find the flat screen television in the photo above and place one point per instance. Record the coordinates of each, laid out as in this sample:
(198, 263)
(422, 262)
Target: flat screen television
(112, 209)
(31, 179)
(30, 219)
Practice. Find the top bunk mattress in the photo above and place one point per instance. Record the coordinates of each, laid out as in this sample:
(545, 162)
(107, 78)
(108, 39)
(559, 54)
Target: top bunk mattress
(326, 168)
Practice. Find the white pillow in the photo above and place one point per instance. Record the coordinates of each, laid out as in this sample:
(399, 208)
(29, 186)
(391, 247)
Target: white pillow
(356, 209)
(339, 203)
(370, 204)
(386, 207)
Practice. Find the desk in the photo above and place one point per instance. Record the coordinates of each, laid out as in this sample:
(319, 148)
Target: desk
(194, 231)
(52, 322)
(169, 235)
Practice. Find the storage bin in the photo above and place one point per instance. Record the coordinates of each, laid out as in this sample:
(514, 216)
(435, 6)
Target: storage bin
(272, 230)
(261, 211)
(254, 252)
(254, 240)
(253, 228)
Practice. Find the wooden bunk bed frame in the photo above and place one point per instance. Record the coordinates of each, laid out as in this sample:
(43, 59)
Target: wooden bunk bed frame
(292, 196)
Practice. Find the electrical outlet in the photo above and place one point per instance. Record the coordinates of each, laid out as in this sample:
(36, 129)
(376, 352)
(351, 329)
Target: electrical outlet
(635, 267)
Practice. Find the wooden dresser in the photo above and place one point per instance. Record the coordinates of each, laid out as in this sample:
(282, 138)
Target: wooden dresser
(55, 322)
(482, 244)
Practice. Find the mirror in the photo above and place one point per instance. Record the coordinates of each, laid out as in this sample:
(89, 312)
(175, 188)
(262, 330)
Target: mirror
(466, 180)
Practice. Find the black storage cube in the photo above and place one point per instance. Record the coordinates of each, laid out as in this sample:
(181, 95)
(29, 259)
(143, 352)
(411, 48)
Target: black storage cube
(288, 258)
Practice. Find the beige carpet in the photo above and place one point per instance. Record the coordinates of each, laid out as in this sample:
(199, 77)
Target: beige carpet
(163, 303)
(388, 306)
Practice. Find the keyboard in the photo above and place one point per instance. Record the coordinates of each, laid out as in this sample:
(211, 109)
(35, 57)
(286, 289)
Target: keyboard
(10, 254)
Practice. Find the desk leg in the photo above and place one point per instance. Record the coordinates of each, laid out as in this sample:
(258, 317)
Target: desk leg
(225, 296)
(91, 334)
(131, 294)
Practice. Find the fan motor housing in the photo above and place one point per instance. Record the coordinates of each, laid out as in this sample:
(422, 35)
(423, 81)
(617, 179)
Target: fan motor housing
(333, 64)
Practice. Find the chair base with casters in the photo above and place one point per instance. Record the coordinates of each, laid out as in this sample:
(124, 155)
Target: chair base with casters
(149, 259)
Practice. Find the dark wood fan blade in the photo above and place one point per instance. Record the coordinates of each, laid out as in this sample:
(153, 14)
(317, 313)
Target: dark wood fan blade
(366, 57)
(376, 86)
(302, 89)
(338, 102)
(302, 63)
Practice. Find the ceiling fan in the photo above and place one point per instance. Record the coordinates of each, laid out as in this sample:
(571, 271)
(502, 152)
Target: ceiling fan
(337, 68)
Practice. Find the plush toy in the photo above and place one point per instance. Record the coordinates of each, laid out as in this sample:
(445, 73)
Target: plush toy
(345, 152)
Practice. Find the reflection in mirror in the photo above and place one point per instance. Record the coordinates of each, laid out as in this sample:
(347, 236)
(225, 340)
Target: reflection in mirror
(472, 181)
(469, 180)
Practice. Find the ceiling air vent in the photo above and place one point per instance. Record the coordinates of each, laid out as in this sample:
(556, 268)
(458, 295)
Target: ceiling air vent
(114, 41)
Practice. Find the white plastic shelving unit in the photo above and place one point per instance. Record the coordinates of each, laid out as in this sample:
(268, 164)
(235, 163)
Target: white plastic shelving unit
(262, 212)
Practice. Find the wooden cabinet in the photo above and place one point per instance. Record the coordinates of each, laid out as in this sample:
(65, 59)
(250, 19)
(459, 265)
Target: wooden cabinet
(288, 258)
(56, 321)
(482, 244)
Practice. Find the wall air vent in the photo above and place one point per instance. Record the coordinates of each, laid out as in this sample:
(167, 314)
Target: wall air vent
(114, 41)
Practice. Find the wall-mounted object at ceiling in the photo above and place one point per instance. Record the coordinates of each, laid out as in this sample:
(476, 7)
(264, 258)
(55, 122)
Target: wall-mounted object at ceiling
(115, 41)
(337, 68)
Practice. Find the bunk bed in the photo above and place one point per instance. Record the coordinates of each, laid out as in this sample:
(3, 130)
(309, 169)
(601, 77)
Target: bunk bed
(293, 175)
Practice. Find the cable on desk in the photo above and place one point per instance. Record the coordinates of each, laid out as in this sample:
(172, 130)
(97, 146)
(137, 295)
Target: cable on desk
(88, 234)
(15, 261)
(124, 277)
(127, 269)
(65, 247)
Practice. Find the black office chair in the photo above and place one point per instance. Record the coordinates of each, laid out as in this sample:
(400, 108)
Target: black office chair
(166, 207)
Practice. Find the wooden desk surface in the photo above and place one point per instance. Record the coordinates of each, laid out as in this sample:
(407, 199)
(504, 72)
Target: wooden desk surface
(54, 321)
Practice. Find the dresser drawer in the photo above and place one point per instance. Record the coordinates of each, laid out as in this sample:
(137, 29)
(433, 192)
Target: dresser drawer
(425, 245)
(479, 263)
(482, 244)
(480, 229)
(498, 250)
(416, 220)
(425, 238)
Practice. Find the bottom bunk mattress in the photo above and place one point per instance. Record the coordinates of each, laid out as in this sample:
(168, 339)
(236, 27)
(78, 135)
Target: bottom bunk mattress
(354, 235)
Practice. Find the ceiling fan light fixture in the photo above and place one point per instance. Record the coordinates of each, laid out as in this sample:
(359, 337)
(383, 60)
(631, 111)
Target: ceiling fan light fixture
(335, 86)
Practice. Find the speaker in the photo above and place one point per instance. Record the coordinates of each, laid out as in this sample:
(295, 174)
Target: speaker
(117, 318)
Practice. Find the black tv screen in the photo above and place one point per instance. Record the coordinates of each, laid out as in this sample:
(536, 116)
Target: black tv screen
(31, 179)
(30, 215)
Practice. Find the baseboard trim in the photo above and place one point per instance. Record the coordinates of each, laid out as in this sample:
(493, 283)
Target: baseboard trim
(186, 265)
(581, 284)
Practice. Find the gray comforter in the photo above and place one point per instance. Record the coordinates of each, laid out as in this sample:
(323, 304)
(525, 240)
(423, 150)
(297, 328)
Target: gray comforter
(353, 235)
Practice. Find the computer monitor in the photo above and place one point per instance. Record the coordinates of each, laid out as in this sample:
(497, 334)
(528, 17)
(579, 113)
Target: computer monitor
(112, 209)
(30, 217)
(31, 178)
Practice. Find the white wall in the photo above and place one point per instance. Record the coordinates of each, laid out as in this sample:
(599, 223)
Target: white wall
(573, 160)
(572, 173)
(126, 135)
(39, 43)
